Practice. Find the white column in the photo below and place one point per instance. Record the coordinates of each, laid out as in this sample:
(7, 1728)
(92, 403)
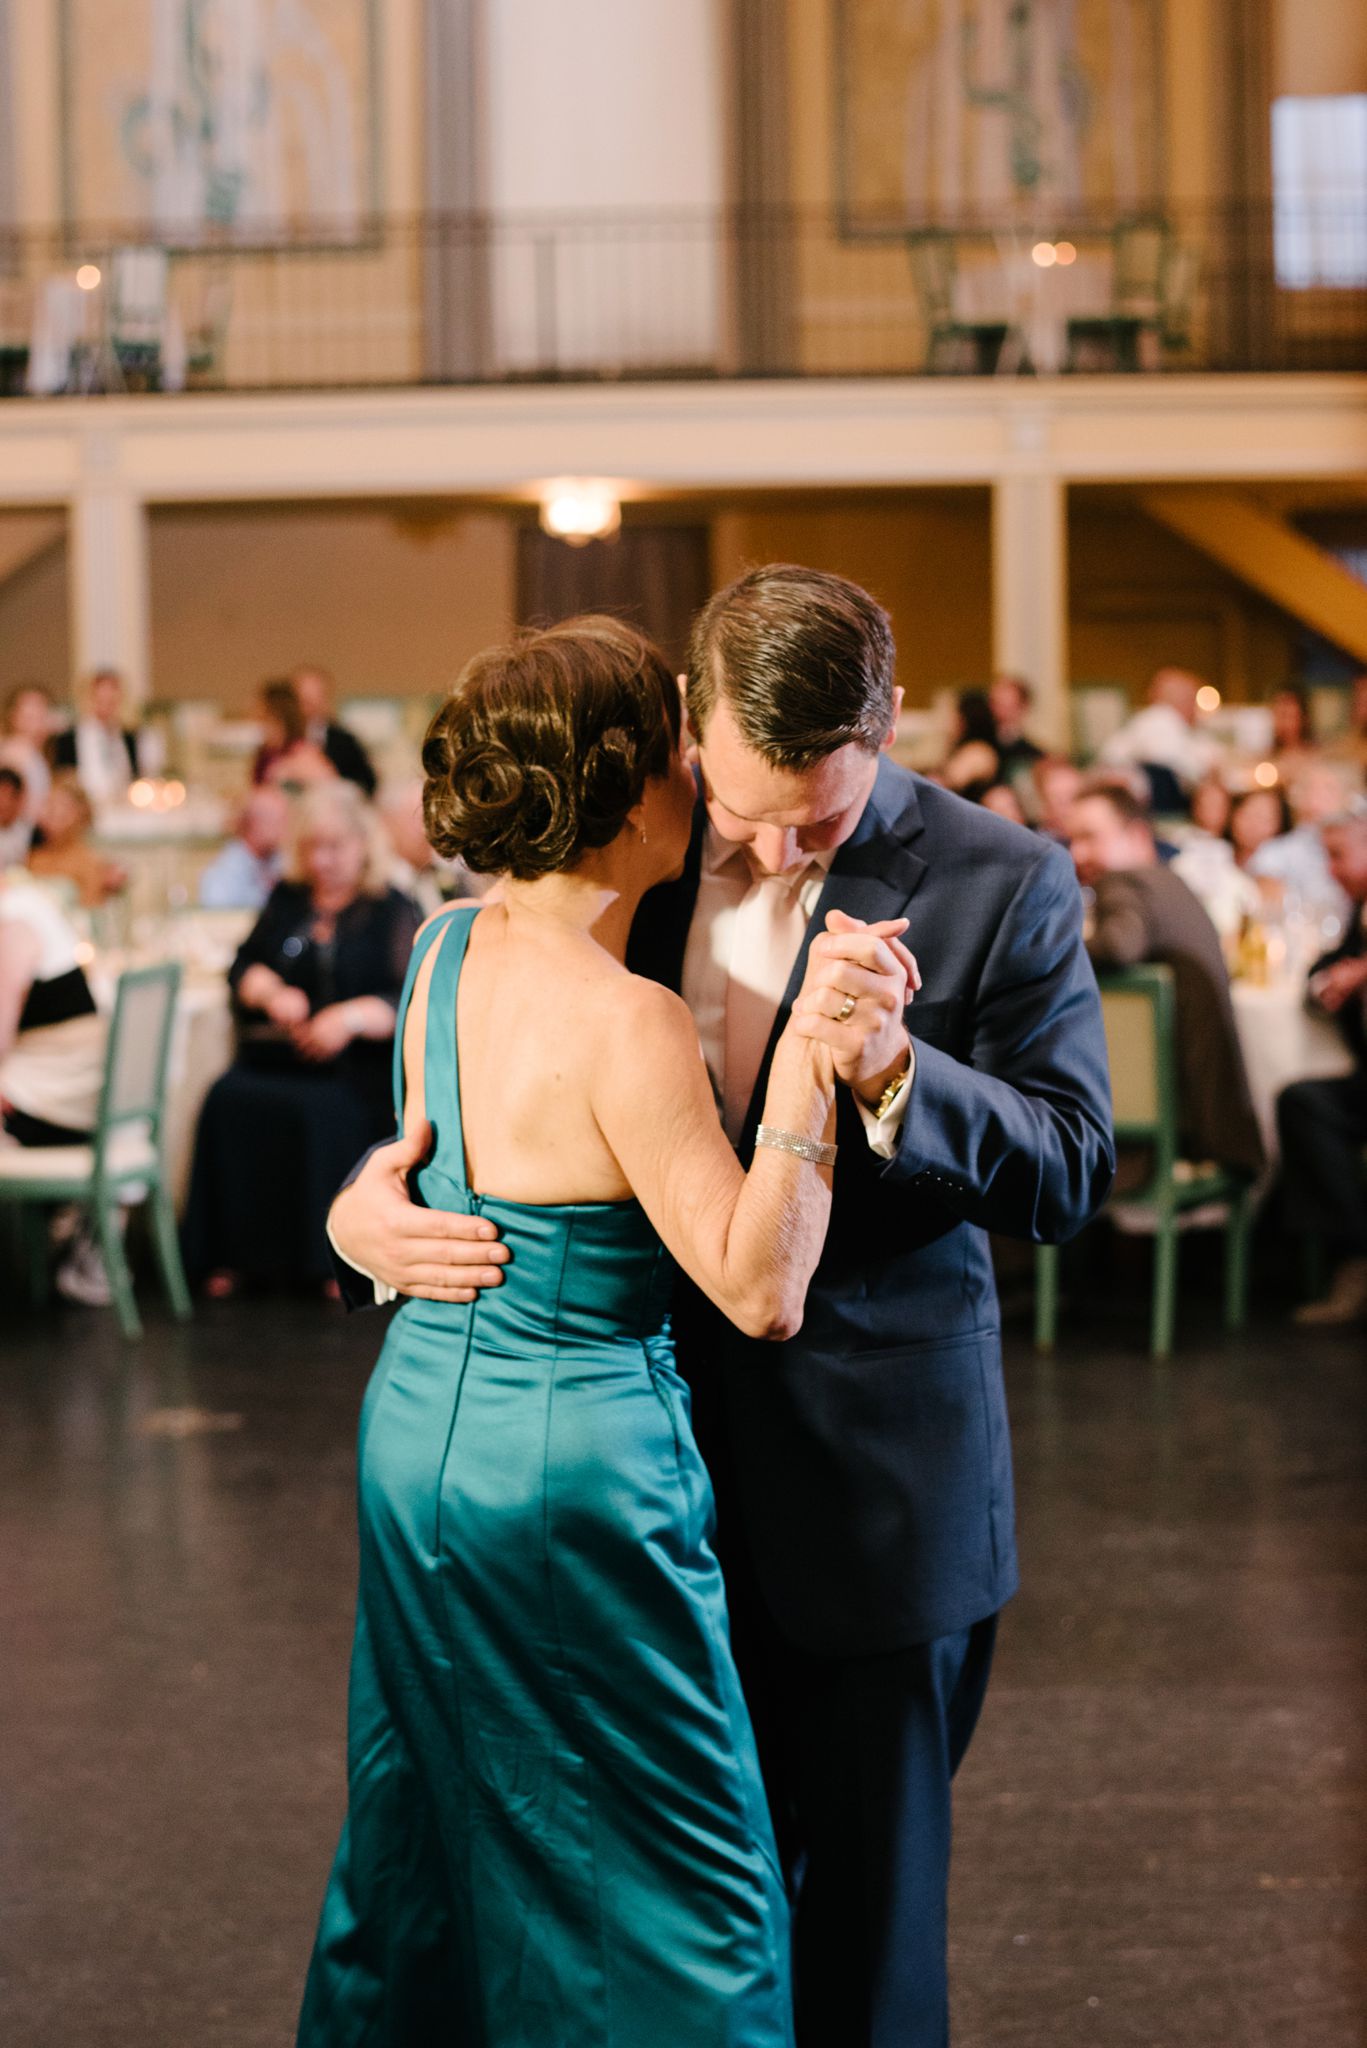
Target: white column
(1030, 594)
(108, 583)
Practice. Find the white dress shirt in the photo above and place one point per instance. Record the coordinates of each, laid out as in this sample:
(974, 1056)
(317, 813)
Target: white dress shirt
(102, 762)
(1161, 735)
(726, 880)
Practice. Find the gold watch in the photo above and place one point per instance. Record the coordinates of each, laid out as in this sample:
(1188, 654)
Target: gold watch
(893, 1090)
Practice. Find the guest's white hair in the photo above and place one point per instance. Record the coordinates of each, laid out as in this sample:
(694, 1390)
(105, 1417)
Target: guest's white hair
(343, 806)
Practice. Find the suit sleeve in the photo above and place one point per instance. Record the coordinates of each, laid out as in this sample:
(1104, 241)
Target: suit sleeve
(358, 1289)
(1018, 1138)
(1120, 937)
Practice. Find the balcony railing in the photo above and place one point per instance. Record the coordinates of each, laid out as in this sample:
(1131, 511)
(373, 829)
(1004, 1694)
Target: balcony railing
(440, 298)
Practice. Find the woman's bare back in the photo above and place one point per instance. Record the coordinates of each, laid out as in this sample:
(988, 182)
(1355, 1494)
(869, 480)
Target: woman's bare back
(530, 1025)
(581, 1082)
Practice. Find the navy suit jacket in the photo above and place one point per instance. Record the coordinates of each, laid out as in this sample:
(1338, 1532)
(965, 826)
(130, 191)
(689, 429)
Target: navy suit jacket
(868, 1458)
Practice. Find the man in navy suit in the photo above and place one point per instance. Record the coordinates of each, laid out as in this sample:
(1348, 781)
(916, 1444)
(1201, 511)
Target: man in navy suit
(863, 1468)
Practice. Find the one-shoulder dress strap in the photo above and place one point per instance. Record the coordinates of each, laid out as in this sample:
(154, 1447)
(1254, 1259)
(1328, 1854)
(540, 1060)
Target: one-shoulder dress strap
(441, 1061)
(422, 946)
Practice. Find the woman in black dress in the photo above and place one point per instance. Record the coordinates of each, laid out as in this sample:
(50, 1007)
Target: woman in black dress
(315, 986)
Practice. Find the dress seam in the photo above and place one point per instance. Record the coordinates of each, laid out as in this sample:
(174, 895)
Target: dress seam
(561, 1656)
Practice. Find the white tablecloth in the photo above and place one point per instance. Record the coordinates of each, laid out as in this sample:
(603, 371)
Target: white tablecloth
(1283, 1041)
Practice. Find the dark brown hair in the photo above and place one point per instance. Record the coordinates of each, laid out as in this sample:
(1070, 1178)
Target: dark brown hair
(1130, 809)
(545, 745)
(804, 660)
(281, 700)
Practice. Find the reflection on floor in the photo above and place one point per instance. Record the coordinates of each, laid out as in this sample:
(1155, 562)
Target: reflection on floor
(1162, 1824)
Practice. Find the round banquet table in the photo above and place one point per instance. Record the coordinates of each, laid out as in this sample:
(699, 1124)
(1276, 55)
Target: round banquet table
(1283, 1041)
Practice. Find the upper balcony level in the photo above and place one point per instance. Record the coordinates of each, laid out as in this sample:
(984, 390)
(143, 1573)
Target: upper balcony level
(469, 298)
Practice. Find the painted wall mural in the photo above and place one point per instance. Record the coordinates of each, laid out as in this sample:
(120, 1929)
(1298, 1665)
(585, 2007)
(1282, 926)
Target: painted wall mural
(955, 108)
(247, 118)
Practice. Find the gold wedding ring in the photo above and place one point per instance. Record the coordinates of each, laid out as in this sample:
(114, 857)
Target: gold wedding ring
(846, 1010)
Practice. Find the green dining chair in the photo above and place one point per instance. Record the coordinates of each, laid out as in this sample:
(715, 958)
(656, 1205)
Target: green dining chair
(1139, 1012)
(125, 1161)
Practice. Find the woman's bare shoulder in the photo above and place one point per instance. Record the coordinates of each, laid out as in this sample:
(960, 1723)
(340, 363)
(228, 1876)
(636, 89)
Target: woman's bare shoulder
(644, 1018)
(456, 903)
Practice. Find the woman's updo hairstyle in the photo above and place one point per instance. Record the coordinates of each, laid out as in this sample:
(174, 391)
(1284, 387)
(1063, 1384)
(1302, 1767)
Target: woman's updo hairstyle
(545, 745)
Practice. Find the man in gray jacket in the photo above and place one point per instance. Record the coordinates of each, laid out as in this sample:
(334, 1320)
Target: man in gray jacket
(1144, 912)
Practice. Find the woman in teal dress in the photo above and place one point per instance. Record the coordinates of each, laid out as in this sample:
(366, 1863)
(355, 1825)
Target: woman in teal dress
(557, 1835)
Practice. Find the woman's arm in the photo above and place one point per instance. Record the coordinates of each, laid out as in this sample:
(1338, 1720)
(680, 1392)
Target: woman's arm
(751, 1241)
(18, 964)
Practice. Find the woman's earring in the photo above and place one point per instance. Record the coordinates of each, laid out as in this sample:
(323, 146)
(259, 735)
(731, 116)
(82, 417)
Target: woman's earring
(642, 830)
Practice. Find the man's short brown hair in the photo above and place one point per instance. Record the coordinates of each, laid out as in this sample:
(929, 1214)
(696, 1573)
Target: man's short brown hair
(804, 660)
(1130, 809)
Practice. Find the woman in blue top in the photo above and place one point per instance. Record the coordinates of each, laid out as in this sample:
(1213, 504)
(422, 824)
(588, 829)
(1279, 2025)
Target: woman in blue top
(557, 1830)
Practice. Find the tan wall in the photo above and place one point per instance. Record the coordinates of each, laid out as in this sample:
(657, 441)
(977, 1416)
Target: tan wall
(1140, 597)
(1320, 46)
(34, 646)
(862, 299)
(314, 317)
(927, 558)
(393, 599)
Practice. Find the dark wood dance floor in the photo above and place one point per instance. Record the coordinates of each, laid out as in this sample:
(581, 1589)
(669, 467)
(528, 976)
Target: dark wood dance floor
(1162, 1826)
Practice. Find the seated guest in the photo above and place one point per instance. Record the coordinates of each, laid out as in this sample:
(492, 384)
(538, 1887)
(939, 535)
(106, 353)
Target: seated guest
(416, 869)
(1293, 749)
(1055, 785)
(314, 689)
(1144, 912)
(16, 833)
(1258, 816)
(52, 1044)
(1206, 862)
(972, 758)
(242, 876)
(1009, 700)
(287, 755)
(1001, 798)
(1165, 740)
(315, 986)
(99, 748)
(1212, 806)
(25, 730)
(64, 853)
(1323, 1124)
(1297, 859)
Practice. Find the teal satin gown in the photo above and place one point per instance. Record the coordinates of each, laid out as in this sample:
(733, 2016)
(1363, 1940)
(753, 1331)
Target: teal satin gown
(557, 1835)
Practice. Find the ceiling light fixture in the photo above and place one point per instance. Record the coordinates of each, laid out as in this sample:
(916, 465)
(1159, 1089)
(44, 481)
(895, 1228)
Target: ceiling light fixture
(579, 509)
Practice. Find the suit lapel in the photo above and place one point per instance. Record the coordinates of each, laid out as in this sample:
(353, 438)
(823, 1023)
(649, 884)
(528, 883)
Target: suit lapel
(873, 877)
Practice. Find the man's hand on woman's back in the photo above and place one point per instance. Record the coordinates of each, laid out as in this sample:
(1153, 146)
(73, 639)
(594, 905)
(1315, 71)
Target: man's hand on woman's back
(430, 1253)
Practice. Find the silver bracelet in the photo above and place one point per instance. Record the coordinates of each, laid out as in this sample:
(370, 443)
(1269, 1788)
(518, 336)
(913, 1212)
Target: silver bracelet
(789, 1141)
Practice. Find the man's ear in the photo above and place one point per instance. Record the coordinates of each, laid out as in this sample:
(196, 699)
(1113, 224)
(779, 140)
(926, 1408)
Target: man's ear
(690, 733)
(897, 696)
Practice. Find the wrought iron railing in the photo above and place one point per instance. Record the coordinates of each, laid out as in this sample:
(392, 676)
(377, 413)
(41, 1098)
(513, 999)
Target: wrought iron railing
(470, 298)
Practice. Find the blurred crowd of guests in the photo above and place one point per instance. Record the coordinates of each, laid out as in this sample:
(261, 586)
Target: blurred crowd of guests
(1182, 847)
(336, 875)
(1189, 854)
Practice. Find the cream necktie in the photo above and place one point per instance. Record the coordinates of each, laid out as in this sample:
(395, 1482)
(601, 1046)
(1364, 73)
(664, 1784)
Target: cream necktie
(766, 937)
